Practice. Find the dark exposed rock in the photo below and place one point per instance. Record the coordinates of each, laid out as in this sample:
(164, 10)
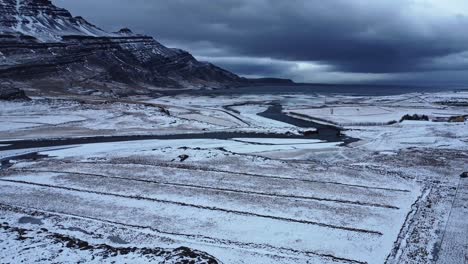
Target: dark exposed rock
(187, 255)
(309, 133)
(456, 119)
(11, 94)
(183, 157)
(177, 255)
(464, 174)
(124, 31)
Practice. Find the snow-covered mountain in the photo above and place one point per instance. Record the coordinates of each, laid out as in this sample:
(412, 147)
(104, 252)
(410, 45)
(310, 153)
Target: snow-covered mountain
(43, 20)
(45, 45)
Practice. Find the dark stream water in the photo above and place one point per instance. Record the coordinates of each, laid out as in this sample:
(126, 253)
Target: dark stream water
(324, 132)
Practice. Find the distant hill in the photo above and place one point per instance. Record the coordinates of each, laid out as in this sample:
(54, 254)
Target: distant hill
(271, 81)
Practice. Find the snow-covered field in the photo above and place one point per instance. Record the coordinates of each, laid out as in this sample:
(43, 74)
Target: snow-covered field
(348, 112)
(393, 196)
(59, 118)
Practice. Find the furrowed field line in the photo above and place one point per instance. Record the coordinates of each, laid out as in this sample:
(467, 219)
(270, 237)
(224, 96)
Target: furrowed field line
(195, 168)
(192, 168)
(192, 186)
(202, 239)
(212, 208)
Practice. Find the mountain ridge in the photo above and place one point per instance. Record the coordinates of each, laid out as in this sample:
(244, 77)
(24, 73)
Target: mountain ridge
(43, 45)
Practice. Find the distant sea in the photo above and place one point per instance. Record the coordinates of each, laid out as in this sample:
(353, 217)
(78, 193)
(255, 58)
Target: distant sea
(357, 90)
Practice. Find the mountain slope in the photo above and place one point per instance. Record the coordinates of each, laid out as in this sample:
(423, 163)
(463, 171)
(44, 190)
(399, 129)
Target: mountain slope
(46, 46)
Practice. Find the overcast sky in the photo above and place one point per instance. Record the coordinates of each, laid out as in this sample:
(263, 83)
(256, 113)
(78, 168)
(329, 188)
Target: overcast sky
(336, 41)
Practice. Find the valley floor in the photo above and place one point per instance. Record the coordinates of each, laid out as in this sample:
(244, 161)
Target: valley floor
(259, 191)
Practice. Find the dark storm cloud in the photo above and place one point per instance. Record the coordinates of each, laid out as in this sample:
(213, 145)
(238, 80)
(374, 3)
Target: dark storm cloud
(251, 66)
(377, 38)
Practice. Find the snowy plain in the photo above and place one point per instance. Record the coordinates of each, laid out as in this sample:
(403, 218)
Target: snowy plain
(393, 195)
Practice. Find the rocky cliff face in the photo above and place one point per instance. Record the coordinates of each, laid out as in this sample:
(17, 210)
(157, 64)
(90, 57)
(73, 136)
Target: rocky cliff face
(42, 20)
(46, 45)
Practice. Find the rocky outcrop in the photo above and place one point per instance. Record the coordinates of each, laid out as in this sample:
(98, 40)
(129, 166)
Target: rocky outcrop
(39, 41)
(458, 119)
(12, 94)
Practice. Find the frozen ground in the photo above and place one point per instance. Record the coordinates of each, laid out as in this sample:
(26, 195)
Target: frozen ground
(381, 110)
(394, 196)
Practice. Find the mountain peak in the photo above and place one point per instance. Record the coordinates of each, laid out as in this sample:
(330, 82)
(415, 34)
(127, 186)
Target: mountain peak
(43, 20)
(124, 31)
